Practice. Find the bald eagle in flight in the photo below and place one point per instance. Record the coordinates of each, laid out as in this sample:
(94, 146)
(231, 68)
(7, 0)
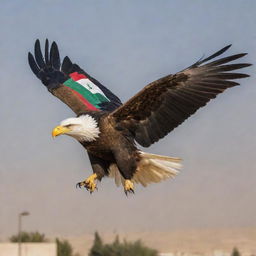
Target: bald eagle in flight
(109, 130)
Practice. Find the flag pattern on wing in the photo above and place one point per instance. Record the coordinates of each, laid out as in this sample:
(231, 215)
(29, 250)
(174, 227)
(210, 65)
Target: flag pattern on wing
(87, 91)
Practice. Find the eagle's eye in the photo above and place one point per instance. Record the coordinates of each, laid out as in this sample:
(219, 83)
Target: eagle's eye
(71, 126)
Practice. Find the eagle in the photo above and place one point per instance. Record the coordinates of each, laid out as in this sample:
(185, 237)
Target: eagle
(111, 131)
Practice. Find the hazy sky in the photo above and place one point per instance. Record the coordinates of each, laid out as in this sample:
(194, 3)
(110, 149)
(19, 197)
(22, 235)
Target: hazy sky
(125, 45)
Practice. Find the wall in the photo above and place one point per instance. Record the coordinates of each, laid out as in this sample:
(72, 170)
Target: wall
(28, 249)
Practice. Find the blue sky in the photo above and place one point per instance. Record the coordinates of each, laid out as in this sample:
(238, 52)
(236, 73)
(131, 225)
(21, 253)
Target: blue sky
(126, 45)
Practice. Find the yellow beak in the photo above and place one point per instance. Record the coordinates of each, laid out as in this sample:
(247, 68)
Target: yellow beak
(59, 130)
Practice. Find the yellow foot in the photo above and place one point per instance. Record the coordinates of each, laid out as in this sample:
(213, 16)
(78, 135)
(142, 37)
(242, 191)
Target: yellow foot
(89, 183)
(128, 187)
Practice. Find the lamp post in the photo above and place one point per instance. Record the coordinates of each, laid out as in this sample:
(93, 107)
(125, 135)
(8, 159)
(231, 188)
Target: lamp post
(19, 231)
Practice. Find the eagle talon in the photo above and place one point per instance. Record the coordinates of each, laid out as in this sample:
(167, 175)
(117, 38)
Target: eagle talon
(93, 190)
(79, 185)
(131, 191)
(128, 187)
(89, 183)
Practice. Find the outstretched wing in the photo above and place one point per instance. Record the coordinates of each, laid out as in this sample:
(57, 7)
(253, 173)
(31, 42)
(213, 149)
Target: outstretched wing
(166, 103)
(69, 82)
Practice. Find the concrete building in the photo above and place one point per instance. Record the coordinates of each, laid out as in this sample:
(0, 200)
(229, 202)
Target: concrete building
(28, 249)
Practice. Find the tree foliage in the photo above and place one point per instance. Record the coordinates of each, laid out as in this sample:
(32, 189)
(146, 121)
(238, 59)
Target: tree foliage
(97, 248)
(235, 252)
(118, 248)
(28, 237)
(64, 248)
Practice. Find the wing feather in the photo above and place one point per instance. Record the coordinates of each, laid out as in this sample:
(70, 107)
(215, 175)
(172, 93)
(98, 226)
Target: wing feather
(167, 102)
(33, 65)
(38, 55)
(83, 94)
(46, 52)
(55, 56)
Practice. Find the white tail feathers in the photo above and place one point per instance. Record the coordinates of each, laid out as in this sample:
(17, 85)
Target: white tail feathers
(114, 173)
(151, 169)
(155, 168)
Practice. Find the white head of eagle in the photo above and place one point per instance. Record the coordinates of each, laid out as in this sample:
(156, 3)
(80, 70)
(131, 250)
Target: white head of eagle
(82, 128)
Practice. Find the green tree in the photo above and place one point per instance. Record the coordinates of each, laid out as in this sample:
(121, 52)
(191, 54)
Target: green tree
(97, 248)
(118, 248)
(235, 252)
(64, 248)
(29, 237)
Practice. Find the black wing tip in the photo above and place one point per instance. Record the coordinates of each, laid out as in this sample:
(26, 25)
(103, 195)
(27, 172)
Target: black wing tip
(242, 75)
(37, 46)
(232, 76)
(245, 65)
(54, 49)
(46, 43)
(33, 65)
(54, 45)
(227, 47)
(55, 56)
(244, 54)
(38, 61)
(46, 51)
(38, 41)
(212, 61)
(66, 66)
(30, 58)
(216, 54)
(67, 60)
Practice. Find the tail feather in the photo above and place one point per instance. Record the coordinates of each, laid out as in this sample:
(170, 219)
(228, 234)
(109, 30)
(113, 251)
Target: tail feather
(114, 173)
(155, 168)
(151, 169)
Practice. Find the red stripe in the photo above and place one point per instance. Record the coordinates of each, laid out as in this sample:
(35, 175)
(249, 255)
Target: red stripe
(86, 103)
(76, 76)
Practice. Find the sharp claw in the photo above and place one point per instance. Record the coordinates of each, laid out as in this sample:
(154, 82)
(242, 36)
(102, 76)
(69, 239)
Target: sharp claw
(128, 187)
(89, 184)
(129, 191)
(78, 185)
(86, 185)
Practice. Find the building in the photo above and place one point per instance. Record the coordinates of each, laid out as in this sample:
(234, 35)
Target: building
(28, 249)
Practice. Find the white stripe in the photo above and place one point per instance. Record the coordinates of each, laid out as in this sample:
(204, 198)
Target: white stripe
(90, 86)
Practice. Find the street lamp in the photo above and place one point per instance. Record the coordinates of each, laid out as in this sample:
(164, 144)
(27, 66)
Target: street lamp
(19, 231)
